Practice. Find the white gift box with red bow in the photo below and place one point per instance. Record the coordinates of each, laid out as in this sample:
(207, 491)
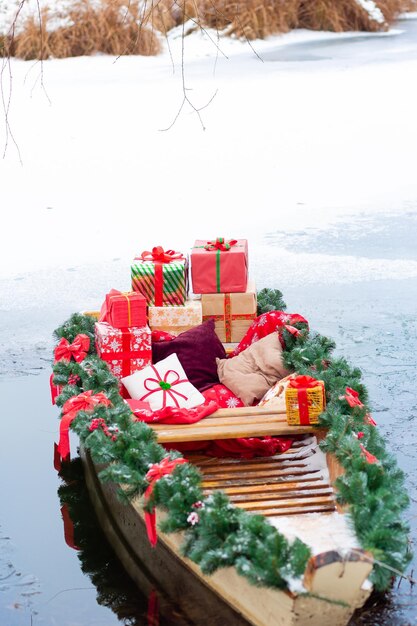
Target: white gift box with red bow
(163, 384)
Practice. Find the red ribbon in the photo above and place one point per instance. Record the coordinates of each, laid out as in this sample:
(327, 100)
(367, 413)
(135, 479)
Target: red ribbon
(78, 349)
(302, 383)
(85, 401)
(155, 473)
(220, 244)
(159, 256)
(162, 384)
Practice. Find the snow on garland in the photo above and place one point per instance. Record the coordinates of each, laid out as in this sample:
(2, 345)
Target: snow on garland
(221, 534)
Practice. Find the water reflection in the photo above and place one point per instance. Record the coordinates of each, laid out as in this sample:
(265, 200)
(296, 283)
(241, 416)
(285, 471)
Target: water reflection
(115, 590)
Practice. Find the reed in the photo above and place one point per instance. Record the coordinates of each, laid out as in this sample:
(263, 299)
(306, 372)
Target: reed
(87, 28)
(121, 27)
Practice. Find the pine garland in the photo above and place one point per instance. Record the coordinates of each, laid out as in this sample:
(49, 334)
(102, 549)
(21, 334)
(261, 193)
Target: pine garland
(270, 300)
(219, 534)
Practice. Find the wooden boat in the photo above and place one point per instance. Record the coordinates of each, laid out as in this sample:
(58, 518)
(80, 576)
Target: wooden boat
(294, 490)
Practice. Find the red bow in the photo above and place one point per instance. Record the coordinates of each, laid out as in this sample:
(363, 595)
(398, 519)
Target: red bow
(370, 458)
(352, 397)
(78, 349)
(160, 255)
(85, 401)
(302, 382)
(163, 385)
(220, 244)
(155, 473)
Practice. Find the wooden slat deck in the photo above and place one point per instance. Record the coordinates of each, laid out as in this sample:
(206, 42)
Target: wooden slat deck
(284, 484)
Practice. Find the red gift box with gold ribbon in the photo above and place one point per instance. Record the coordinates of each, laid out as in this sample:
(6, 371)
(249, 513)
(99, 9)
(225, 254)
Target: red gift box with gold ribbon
(219, 266)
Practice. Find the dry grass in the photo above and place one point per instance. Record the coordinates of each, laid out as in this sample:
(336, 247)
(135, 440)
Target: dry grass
(135, 26)
(254, 19)
(109, 29)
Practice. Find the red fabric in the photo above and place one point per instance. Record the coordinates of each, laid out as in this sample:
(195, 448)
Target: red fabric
(78, 349)
(221, 395)
(174, 415)
(247, 448)
(266, 324)
(161, 335)
(155, 473)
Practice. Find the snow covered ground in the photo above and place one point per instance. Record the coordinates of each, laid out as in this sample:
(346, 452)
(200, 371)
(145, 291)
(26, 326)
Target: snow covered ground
(285, 144)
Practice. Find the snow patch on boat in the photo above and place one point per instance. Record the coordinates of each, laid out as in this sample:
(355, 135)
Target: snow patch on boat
(320, 531)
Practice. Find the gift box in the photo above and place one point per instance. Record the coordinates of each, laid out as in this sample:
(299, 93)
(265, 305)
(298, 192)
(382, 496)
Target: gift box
(161, 276)
(233, 313)
(163, 384)
(174, 319)
(124, 309)
(219, 266)
(275, 396)
(305, 400)
(125, 350)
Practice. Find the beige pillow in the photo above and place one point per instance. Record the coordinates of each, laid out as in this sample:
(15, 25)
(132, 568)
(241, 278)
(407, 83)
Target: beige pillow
(252, 372)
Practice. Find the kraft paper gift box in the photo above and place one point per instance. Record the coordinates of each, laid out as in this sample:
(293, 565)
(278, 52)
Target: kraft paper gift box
(219, 266)
(174, 319)
(233, 313)
(125, 350)
(161, 276)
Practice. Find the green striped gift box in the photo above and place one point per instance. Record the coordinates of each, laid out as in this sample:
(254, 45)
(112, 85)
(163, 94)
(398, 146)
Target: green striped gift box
(172, 281)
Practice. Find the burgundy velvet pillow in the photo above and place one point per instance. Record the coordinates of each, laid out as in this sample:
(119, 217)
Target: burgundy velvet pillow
(197, 350)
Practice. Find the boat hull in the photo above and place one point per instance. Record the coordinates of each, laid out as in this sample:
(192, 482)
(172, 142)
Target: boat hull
(335, 584)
